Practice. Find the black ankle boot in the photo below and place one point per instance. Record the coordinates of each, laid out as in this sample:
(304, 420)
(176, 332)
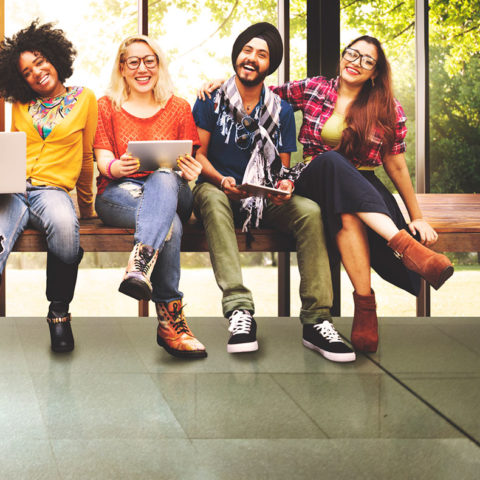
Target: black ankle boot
(61, 333)
(61, 280)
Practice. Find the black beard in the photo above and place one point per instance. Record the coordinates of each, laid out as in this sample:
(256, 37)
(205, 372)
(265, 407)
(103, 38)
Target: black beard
(254, 82)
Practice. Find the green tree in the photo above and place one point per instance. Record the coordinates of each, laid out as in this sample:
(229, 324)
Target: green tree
(455, 127)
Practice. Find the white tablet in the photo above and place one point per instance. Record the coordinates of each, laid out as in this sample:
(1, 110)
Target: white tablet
(13, 162)
(260, 190)
(155, 154)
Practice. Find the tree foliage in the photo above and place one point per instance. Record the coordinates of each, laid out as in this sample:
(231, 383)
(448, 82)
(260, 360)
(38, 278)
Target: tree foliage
(454, 51)
(453, 25)
(454, 60)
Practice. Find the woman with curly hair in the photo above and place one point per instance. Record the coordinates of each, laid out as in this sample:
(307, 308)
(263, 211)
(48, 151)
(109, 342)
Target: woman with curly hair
(60, 124)
(140, 106)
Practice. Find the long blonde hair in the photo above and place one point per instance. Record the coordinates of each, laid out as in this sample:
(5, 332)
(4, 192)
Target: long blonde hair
(118, 90)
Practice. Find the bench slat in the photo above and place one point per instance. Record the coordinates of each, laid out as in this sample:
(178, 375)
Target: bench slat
(96, 237)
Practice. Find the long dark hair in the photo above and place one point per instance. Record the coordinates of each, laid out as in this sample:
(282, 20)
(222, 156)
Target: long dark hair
(45, 39)
(373, 109)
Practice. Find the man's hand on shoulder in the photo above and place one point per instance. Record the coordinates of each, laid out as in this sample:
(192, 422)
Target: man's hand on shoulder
(208, 87)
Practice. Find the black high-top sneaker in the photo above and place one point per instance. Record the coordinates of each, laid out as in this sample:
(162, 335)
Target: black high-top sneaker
(243, 329)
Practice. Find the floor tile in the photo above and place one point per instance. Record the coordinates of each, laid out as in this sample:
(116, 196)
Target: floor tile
(363, 406)
(86, 406)
(12, 358)
(120, 407)
(419, 346)
(360, 459)
(457, 398)
(20, 415)
(280, 349)
(464, 330)
(101, 345)
(128, 459)
(235, 405)
(27, 459)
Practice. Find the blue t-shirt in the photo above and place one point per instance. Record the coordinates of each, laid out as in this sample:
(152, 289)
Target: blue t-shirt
(228, 157)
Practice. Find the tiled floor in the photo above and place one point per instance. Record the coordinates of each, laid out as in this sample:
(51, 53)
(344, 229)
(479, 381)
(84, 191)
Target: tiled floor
(119, 407)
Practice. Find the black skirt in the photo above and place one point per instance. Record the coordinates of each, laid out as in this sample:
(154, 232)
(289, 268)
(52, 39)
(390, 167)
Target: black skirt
(338, 187)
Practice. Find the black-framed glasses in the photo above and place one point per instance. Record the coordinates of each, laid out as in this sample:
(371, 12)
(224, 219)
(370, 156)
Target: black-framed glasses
(150, 61)
(366, 61)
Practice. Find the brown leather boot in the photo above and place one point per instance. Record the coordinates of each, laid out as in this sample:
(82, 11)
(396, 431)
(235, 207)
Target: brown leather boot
(434, 267)
(173, 333)
(365, 324)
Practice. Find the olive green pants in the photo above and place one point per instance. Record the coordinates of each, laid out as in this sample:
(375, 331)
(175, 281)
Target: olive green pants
(300, 217)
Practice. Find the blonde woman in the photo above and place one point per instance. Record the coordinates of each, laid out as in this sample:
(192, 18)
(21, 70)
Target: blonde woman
(140, 105)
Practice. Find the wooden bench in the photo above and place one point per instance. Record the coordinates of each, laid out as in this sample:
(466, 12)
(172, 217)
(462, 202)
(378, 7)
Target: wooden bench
(456, 218)
(96, 237)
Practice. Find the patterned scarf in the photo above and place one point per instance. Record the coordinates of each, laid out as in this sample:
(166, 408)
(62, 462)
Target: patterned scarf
(49, 112)
(264, 164)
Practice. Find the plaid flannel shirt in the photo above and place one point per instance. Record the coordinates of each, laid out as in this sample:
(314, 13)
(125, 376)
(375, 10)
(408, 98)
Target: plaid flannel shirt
(316, 98)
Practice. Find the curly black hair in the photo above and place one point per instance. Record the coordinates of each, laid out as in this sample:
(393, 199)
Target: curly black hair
(45, 39)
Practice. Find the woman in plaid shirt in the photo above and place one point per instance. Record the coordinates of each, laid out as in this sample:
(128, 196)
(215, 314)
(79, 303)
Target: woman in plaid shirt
(351, 125)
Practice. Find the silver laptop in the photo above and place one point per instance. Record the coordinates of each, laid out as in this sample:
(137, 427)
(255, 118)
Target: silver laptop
(13, 162)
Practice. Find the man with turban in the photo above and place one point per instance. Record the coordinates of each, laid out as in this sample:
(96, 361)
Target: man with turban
(247, 134)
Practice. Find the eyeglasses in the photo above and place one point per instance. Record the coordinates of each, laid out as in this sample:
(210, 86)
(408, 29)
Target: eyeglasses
(249, 123)
(366, 61)
(150, 61)
(244, 133)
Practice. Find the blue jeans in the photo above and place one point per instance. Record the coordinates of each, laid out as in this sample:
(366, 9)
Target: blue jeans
(47, 209)
(152, 205)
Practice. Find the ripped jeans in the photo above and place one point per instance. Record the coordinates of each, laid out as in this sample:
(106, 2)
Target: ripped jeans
(47, 209)
(152, 205)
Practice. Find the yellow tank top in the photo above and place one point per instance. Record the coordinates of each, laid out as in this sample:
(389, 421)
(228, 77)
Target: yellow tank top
(332, 130)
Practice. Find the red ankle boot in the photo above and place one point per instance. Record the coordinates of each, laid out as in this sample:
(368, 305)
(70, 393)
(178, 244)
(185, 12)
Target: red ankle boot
(365, 324)
(434, 267)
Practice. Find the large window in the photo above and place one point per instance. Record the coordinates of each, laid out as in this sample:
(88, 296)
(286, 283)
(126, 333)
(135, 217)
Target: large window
(455, 133)
(197, 37)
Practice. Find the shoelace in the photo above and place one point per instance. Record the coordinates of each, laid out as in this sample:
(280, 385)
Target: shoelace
(327, 331)
(178, 322)
(240, 322)
(141, 262)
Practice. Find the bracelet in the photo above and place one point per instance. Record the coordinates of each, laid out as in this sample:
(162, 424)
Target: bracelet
(109, 169)
(221, 183)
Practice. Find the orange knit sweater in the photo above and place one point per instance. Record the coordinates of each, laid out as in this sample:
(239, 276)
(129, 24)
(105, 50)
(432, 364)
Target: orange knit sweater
(117, 127)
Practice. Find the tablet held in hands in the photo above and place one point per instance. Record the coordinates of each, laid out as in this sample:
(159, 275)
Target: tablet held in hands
(155, 154)
(260, 190)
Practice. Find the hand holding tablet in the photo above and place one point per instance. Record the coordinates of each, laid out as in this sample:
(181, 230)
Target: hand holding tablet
(260, 190)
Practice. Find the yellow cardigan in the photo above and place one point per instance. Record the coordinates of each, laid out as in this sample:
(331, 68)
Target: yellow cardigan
(65, 158)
